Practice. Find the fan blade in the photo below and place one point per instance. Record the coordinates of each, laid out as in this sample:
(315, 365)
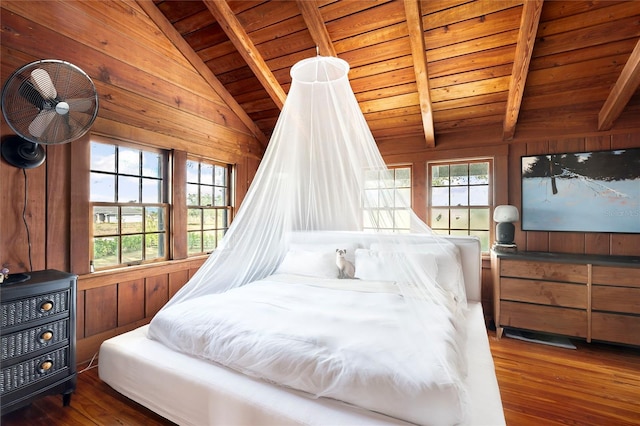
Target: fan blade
(80, 104)
(29, 92)
(42, 81)
(41, 122)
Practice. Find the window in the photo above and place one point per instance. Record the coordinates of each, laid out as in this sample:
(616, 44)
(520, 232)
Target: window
(208, 205)
(460, 199)
(388, 199)
(128, 205)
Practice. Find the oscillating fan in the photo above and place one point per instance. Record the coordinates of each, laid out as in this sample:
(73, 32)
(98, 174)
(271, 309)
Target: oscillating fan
(46, 102)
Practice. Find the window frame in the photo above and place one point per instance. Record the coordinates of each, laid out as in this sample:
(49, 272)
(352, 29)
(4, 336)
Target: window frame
(165, 204)
(393, 228)
(490, 197)
(228, 202)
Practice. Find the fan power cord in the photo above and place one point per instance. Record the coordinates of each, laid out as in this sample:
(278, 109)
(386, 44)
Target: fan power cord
(24, 217)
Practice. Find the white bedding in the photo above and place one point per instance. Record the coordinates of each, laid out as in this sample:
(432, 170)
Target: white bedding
(192, 391)
(349, 340)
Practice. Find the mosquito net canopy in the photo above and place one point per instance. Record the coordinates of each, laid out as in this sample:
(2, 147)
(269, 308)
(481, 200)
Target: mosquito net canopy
(322, 174)
(322, 171)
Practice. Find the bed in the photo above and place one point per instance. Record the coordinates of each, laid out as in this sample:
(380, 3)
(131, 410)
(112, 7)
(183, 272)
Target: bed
(190, 390)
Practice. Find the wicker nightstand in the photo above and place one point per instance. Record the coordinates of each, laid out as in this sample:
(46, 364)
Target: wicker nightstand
(38, 338)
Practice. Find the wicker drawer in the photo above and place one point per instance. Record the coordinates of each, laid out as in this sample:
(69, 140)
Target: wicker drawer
(33, 370)
(544, 292)
(551, 271)
(570, 322)
(34, 339)
(33, 308)
(615, 328)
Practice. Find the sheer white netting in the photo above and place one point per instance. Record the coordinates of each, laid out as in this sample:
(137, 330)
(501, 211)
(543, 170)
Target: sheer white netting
(323, 183)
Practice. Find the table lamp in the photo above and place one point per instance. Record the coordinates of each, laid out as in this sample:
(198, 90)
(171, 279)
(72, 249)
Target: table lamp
(504, 216)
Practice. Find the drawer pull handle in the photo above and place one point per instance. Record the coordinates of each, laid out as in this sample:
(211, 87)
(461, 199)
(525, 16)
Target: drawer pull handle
(46, 366)
(46, 306)
(46, 335)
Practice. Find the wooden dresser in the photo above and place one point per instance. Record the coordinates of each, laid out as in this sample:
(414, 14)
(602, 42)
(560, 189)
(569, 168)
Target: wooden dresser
(586, 296)
(38, 338)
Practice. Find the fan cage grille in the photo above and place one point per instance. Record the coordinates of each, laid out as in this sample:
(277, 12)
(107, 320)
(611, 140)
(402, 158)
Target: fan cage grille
(37, 116)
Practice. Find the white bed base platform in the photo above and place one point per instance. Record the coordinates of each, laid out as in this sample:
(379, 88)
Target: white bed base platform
(191, 391)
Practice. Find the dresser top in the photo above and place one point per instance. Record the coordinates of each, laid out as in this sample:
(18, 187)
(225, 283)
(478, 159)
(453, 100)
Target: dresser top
(49, 278)
(594, 259)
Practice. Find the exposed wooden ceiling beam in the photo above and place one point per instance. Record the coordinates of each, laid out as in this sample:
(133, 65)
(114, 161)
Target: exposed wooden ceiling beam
(170, 32)
(418, 51)
(240, 39)
(524, 48)
(625, 87)
(315, 23)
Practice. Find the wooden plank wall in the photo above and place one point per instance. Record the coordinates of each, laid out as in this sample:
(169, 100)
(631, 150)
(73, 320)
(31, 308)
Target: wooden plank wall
(112, 303)
(149, 94)
(507, 190)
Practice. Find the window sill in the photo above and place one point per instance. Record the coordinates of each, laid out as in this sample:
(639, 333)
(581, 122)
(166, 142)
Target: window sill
(129, 273)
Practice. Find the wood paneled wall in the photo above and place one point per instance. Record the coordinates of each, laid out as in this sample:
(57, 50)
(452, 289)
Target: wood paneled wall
(148, 90)
(111, 303)
(149, 94)
(507, 190)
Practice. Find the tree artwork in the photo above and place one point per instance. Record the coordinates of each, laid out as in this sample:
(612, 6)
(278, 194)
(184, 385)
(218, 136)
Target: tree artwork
(595, 191)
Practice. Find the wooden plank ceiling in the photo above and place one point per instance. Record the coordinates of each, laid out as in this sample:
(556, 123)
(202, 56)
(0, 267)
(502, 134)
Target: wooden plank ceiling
(426, 69)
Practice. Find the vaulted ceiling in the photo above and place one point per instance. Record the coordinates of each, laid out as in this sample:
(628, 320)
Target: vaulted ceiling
(423, 70)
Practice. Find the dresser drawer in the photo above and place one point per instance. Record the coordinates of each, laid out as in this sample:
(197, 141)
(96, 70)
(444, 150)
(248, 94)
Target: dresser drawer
(616, 276)
(615, 328)
(570, 322)
(33, 308)
(34, 339)
(615, 299)
(576, 295)
(544, 292)
(567, 272)
(33, 370)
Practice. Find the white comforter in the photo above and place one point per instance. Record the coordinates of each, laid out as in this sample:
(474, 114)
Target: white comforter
(350, 340)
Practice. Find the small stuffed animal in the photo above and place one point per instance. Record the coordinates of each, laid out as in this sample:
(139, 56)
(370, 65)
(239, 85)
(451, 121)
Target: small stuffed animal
(345, 268)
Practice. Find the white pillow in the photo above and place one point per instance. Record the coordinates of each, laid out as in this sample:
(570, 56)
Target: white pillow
(328, 248)
(314, 259)
(447, 257)
(393, 266)
(372, 266)
(309, 263)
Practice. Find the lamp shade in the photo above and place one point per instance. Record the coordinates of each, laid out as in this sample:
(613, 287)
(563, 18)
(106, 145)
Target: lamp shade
(506, 213)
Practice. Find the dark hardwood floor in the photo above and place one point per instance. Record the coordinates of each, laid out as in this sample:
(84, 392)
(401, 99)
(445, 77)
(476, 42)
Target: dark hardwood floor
(93, 403)
(595, 385)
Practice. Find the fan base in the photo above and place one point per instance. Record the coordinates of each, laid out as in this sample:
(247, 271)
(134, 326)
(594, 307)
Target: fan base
(21, 153)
